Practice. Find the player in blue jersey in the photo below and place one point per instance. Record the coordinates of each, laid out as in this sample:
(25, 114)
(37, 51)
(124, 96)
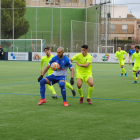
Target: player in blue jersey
(131, 51)
(58, 76)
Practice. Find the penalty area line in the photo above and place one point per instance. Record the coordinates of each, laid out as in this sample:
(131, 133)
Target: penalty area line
(72, 97)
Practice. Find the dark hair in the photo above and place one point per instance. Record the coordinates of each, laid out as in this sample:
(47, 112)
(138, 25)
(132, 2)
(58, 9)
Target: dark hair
(47, 48)
(132, 43)
(137, 47)
(84, 46)
(120, 46)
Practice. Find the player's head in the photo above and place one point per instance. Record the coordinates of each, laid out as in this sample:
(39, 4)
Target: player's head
(137, 48)
(60, 52)
(84, 49)
(119, 48)
(0, 47)
(47, 50)
(132, 46)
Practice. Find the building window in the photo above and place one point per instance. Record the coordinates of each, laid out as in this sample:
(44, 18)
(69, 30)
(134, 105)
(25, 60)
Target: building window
(67, 1)
(112, 27)
(116, 38)
(139, 26)
(49, 0)
(129, 38)
(124, 28)
(35, 0)
(82, 1)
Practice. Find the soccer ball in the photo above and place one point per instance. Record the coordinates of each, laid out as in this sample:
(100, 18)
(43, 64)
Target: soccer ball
(55, 66)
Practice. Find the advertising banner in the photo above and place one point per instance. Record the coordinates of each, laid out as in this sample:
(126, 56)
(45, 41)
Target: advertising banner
(110, 57)
(18, 56)
(36, 56)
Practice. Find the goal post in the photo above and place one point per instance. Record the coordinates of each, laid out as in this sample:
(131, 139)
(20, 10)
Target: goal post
(23, 45)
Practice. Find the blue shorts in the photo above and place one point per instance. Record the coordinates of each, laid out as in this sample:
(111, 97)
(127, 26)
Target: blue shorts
(132, 64)
(55, 79)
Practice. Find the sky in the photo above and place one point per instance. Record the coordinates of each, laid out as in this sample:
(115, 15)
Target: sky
(132, 5)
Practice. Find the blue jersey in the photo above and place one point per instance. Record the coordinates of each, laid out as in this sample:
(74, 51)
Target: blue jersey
(131, 52)
(64, 63)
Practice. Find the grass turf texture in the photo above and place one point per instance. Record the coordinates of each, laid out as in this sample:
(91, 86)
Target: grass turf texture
(21, 117)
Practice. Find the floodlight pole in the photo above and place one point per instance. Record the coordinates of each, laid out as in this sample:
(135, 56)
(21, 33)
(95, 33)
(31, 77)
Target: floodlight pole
(0, 22)
(86, 25)
(113, 23)
(36, 23)
(106, 32)
(52, 28)
(106, 23)
(13, 26)
(71, 37)
(60, 22)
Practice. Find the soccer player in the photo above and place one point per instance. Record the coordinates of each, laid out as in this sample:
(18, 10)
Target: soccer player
(120, 54)
(57, 76)
(136, 67)
(131, 51)
(1, 53)
(46, 59)
(84, 72)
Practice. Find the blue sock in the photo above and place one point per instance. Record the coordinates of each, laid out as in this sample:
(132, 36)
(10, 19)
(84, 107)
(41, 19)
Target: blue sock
(63, 90)
(136, 74)
(42, 88)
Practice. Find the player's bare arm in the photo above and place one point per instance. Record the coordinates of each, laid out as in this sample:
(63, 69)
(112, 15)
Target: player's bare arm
(41, 72)
(72, 72)
(46, 69)
(129, 59)
(83, 65)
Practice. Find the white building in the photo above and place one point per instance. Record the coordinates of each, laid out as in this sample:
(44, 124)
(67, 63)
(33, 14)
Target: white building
(115, 11)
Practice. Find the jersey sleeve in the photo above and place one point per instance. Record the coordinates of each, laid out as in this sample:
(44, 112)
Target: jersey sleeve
(129, 52)
(133, 55)
(125, 54)
(89, 60)
(116, 55)
(74, 57)
(69, 64)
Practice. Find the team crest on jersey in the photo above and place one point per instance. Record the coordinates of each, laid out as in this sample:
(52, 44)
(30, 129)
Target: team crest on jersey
(62, 61)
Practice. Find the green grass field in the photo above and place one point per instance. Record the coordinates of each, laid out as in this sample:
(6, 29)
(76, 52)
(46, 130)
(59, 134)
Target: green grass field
(114, 114)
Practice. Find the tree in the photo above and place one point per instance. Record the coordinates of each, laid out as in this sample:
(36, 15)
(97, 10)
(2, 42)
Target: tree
(21, 26)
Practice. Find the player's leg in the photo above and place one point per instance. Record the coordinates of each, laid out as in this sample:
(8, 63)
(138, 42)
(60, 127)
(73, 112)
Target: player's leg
(80, 90)
(135, 69)
(90, 89)
(1, 56)
(136, 73)
(63, 91)
(71, 88)
(121, 69)
(42, 90)
(51, 88)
